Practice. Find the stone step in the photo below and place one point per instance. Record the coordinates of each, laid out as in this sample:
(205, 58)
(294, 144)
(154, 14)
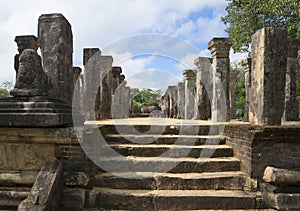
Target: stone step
(174, 151)
(10, 198)
(17, 178)
(165, 164)
(204, 129)
(189, 140)
(167, 181)
(35, 110)
(172, 199)
(100, 209)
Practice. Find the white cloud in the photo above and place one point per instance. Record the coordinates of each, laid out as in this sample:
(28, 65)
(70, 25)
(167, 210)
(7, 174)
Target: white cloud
(97, 23)
(237, 57)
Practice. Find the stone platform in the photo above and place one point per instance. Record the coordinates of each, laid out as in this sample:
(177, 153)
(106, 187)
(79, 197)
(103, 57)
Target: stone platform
(36, 112)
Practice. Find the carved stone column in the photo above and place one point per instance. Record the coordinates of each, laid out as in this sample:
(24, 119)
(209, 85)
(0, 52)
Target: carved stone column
(105, 90)
(268, 76)
(202, 105)
(246, 63)
(291, 107)
(56, 41)
(91, 83)
(219, 48)
(190, 86)
(76, 93)
(172, 93)
(181, 100)
(24, 42)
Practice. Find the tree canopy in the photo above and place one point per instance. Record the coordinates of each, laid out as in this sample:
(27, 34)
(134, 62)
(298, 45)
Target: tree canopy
(245, 17)
(4, 88)
(147, 96)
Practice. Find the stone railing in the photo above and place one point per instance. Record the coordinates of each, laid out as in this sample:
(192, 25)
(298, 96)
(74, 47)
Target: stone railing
(46, 191)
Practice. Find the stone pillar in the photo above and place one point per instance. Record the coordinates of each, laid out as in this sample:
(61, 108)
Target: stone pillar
(116, 72)
(181, 100)
(190, 86)
(91, 83)
(291, 107)
(268, 76)
(172, 93)
(165, 104)
(105, 90)
(24, 42)
(219, 48)
(232, 93)
(114, 83)
(202, 104)
(118, 100)
(127, 102)
(56, 41)
(246, 63)
(76, 93)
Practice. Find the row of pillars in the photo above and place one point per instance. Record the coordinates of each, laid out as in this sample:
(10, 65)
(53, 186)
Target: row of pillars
(56, 46)
(270, 82)
(100, 93)
(104, 90)
(199, 97)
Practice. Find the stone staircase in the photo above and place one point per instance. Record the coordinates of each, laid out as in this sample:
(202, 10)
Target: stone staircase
(170, 168)
(15, 187)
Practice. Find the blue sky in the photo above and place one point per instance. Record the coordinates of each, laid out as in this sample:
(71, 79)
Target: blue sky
(153, 40)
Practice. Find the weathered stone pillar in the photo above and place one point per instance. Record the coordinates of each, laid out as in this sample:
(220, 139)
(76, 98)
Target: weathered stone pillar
(56, 41)
(127, 102)
(173, 101)
(114, 83)
(116, 72)
(190, 86)
(165, 104)
(232, 93)
(291, 107)
(246, 63)
(219, 48)
(91, 83)
(268, 76)
(172, 93)
(202, 105)
(24, 42)
(76, 93)
(105, 90)
(181, 100)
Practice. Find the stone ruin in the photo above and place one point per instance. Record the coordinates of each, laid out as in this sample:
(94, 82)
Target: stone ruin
(270, 82)
(42, 96)
(104, 91)
(43, 166)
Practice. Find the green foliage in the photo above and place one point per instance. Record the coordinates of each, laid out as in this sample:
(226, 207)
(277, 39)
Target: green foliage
(245, 17)
(147, 96)
(4, 88)
(240, 92)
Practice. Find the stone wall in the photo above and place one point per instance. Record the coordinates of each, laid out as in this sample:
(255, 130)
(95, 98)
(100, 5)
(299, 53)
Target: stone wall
(258, 147)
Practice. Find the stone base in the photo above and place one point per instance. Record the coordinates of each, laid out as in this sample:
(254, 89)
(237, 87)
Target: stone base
(37, 112)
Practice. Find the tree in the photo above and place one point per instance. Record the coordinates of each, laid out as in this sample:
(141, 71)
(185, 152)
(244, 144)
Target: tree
(240, 91)
(4, 88)
(245, 17)
(147, 96)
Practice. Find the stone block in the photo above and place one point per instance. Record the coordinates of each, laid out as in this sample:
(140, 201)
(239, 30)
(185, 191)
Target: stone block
(21, 156)
(73, 199)
(46, 191)
(281, 177)
(268, 76)
(56, 41)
